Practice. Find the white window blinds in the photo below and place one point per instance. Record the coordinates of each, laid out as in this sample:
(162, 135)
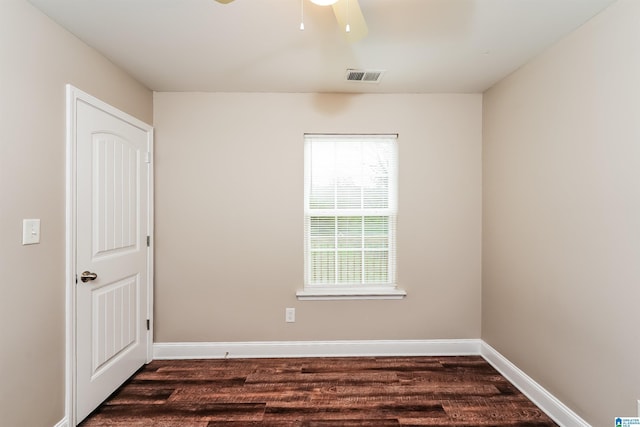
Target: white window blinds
(350, 210)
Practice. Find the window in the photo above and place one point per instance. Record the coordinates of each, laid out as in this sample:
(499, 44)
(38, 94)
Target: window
(350, 208)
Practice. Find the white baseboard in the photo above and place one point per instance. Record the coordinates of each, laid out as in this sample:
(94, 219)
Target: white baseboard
(221, 350)
(62, 423)
(553, 407)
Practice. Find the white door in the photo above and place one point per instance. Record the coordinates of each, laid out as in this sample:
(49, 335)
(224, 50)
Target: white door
(112, 254)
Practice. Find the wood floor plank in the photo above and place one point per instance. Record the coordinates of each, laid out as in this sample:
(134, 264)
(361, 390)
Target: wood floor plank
(320, 392)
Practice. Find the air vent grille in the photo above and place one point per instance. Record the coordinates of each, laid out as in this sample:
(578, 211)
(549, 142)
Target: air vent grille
(364, 76)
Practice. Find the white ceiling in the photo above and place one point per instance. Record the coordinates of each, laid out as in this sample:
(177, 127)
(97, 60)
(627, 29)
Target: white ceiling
(425, 46)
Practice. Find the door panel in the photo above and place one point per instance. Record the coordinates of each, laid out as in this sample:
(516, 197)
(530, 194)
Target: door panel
(115, 328)
(112, 224)
(116, 211)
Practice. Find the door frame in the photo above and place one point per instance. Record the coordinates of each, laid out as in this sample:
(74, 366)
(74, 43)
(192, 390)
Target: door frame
(75, 95)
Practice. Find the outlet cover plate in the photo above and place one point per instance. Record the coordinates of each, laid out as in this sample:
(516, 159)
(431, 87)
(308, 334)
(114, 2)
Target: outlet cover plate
(290, 315)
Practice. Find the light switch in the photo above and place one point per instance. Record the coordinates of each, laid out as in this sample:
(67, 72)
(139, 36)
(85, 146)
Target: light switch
(30, 231)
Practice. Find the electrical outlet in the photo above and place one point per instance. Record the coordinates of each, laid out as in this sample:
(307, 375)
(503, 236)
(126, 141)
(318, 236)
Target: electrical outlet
(639, 408)
(289, 315)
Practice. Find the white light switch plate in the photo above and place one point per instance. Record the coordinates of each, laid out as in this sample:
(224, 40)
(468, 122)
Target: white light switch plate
(30, 231)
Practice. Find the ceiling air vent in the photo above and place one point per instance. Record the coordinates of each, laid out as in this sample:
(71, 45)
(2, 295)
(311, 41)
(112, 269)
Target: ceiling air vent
(364, 76)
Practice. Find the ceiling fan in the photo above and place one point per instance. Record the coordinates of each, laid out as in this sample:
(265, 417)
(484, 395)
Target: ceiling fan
(348, 15)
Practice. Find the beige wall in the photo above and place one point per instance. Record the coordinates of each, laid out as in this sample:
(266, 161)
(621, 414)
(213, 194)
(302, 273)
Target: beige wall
(561, 247)
(229, 224)
(37, 59)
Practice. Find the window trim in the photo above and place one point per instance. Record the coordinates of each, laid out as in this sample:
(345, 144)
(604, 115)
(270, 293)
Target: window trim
(325, 293)
(356, 291)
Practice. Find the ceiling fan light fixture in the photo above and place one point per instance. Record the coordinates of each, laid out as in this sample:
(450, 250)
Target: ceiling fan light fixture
(324, 2)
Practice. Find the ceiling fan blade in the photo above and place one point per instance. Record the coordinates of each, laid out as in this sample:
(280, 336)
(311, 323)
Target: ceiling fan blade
(224, 1)
(353, 17)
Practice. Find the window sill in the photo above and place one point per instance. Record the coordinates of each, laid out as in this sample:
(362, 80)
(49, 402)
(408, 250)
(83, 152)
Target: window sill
(324, 294)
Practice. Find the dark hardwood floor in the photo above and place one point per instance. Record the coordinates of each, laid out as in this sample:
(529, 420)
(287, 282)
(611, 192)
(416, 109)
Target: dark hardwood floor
(319, 392)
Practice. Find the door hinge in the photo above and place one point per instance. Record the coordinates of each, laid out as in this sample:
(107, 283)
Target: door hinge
(148, 241)
(148, 324)
(147, 157)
